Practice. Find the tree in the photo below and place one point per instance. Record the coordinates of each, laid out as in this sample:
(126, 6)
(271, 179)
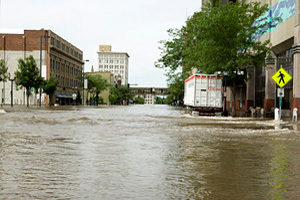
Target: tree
(172, 57)
(96, 84)
(119, 94)
(50, 86)
(3, 71)
(158, 100)
(221, 38)
(169, 99)
(28, 75)
(139, 100)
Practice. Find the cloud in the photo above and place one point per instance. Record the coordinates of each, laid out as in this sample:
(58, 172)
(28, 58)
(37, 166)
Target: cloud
(133, 26)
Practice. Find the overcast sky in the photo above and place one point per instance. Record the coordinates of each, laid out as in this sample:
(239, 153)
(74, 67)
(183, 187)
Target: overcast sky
(132, 26)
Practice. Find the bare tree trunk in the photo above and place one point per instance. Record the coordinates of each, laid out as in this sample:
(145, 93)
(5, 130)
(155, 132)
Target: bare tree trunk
(50, 100)
(233, 113)
(27, 95)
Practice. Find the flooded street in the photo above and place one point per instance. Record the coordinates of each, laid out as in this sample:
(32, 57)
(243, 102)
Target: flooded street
(145, 152)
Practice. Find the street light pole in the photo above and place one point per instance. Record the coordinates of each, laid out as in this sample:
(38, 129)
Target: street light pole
(11, 92)
(41, 41)
(83, 81)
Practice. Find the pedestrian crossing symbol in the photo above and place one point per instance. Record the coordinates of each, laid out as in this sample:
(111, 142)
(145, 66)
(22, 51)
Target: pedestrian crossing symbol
(281, 77)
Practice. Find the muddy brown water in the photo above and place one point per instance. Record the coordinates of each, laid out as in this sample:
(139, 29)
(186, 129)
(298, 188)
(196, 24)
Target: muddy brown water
(145, 152)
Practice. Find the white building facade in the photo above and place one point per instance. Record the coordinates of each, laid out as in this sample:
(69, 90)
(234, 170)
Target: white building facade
(115, 62)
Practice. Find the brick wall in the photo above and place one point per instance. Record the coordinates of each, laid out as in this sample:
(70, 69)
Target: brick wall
(29, 41)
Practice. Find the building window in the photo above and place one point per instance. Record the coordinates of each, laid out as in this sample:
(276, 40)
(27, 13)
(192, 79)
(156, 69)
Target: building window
(80, 56)
(116, 66)
(122, 67)
(122, 62)
(76, 54)
(101, 66)
(52, 40)
(111, 61)
(68, 49)
(72, 52)
(111, 66)
(57, 43)
(100, 61)
(63, 46)
(50, 63)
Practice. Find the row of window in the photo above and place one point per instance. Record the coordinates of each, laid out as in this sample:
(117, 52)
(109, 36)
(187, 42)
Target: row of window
(113, 72)
(66, 48)
(111, 67)
(112, 55)
(112, 61)
(63, 68)
(67, 82)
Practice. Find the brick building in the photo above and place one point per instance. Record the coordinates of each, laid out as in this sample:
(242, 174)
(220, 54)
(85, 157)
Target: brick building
(59, 57)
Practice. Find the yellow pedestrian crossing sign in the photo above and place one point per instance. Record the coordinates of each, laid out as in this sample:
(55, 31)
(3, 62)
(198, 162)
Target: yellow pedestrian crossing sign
(281, 77)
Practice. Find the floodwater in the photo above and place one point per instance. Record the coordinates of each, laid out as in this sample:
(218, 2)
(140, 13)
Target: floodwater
(145, 152)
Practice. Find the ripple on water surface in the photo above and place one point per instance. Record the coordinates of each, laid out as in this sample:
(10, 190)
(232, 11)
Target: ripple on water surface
(145, 152)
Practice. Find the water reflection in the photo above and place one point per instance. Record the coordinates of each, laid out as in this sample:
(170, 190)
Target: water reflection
(144, 152)
(280, 171)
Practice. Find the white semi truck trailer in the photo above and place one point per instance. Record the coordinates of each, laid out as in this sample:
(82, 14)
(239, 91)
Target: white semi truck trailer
(203, 94)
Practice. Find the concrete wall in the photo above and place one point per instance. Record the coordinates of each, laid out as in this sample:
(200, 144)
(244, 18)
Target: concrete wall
(11, 59)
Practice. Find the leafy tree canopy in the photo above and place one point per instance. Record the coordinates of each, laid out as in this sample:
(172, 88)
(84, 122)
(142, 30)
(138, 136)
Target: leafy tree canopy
(96, 84)
(50, 86)
(219, 38)
(3, 70)
(119, 94)
(28, 75)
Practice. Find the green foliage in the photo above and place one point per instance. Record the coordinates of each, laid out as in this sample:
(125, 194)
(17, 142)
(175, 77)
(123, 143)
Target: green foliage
(158, 100)
(50, 86)
(113, 98)
(119, 94)
(177, 86)
(172, 52)
(220, 38)
(3, 71)
(96, 84)
(169, 99)
(101, 100)
(139, 100)
(28, 75)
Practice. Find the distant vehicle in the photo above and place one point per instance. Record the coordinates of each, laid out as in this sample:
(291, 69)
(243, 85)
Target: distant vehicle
(203, 94)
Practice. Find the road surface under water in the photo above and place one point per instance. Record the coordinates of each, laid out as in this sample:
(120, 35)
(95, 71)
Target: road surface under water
(145, 152)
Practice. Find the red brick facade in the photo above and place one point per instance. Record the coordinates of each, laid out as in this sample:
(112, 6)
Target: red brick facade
(62, 59)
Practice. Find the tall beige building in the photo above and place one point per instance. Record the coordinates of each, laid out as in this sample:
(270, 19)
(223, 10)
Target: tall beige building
(116, 63)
